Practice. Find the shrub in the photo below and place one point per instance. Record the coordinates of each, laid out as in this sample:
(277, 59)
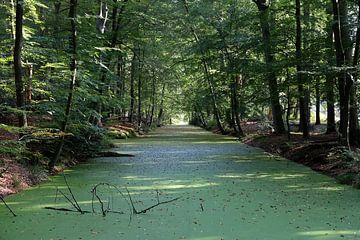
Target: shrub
(85, 141)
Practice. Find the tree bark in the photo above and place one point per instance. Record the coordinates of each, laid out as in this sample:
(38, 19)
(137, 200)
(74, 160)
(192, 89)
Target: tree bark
(153, 98)
(132, 87)
(239, 132)
(318, 102)
(330, 80)
(343, 47)
(264, 11)
(161, 111)
(303, 104)
(19, 84)
(354, 131)
(140, 64)
(73, 70)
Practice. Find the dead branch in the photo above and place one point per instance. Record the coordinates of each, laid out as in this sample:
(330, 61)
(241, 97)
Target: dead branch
(114, 154)
(151, 207)
(75, 204)
(7, 206)
(107, 209)
(64, 209)
(95, 195)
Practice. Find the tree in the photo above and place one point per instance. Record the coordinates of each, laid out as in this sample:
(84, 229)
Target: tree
(73, 71)
(303, 105)
(344, 48)
(264, 11)
(20, 93)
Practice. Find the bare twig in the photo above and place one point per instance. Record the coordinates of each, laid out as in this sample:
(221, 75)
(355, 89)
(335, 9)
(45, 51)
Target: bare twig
(107, 209)
(151, 207)
(7, 206)
(64, 209)
(76, 205)
(95, 195)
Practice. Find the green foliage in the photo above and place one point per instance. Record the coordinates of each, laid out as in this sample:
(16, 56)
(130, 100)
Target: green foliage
(12, 148)
(86, 140)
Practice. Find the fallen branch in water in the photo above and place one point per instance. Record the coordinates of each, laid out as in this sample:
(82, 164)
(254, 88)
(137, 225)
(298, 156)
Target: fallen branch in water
(114, 154)
(72, 201)
(64, 209)
(104, 209)
(134, 211)
(7, 206)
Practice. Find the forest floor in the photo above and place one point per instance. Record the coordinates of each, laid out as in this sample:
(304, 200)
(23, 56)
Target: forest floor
(222, 189)
(16, 175)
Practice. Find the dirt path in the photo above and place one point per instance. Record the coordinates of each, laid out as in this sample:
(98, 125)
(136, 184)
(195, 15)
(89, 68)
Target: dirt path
(229, 191)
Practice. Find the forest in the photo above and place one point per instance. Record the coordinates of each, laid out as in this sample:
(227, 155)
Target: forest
(78, 78)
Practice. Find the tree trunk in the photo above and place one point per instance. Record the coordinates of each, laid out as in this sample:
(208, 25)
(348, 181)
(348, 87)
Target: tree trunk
(354, 131)
(161, 111)
(278, 121)
(19, 84)
(28, 90)
(303, 104)
(134, 63)
(330, 80)
(208, 77)
(240, 132)
(343, 47)
(153, 98)
(12, 21)
(73, 70)
(139, 110)
(330, 99)
(318, 102)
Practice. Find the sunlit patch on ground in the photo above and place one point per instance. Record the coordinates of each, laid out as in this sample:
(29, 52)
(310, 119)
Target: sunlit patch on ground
(227, 190)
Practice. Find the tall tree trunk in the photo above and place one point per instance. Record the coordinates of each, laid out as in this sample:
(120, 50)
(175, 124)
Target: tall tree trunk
(28, 88)
(12, 19)
(208, 77)
(132, 87)
(57, 11)
(343, 47)
(303, 104)
(139, 110)
(116, 19)
(153, 98)
(19, 84)
(330, 100)
(318, 102)
(264, 11)
(73, 70)
(237, 79)
(354, 131)
(330, 79)
(161, 111)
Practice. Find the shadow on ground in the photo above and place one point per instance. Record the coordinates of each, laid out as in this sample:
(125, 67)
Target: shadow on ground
(228, 191)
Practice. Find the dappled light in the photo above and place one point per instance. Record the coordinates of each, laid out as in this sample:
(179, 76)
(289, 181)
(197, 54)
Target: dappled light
(180, 119)
(227, 190)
